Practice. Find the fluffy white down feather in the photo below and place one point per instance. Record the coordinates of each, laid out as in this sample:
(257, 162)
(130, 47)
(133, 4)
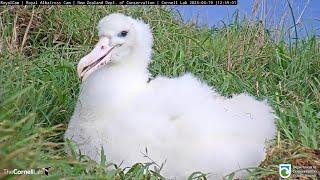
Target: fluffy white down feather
(181, 120)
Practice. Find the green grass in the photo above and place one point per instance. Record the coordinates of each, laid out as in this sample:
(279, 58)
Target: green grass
(39, 85)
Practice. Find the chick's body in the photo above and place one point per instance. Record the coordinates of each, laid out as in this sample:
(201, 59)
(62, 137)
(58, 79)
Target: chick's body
(180, 121)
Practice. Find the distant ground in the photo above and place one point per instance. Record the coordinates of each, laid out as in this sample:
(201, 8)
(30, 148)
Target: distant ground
(273, 12)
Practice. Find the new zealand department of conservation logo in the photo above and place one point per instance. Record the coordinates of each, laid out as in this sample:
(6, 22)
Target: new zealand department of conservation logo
(284, 170)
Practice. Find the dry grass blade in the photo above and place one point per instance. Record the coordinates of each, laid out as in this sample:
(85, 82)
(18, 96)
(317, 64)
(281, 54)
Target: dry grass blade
(27, 30)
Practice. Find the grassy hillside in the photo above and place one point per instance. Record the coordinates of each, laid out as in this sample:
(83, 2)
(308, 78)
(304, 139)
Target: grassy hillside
(40, 47)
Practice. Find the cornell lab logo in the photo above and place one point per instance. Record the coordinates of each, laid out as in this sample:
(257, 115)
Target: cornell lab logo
(36, 171)
(285, 170)
(46, 170)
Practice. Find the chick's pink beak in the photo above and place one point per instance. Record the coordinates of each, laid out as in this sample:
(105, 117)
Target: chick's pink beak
(98, 57)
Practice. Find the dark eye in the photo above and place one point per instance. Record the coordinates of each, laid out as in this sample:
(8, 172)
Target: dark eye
(123, 33)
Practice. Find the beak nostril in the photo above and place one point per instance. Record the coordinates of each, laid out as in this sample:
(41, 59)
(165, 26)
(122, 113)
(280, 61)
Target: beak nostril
(102, 47)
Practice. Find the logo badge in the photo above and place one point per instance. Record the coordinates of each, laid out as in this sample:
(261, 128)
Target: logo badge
(285, 170)
(46, 170)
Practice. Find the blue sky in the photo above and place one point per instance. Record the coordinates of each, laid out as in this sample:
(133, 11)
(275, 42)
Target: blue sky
(211, 15)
